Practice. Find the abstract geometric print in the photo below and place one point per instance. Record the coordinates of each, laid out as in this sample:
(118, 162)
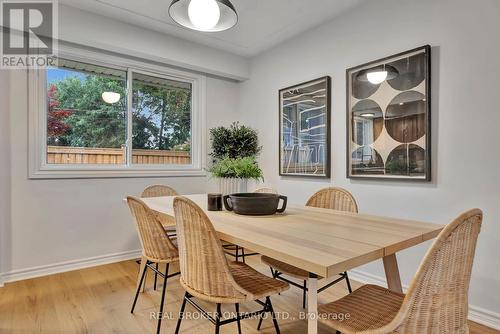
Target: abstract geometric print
(388, 117)
(304, 129)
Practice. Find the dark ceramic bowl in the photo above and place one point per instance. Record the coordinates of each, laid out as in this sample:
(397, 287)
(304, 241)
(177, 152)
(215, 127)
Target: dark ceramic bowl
(254, 204)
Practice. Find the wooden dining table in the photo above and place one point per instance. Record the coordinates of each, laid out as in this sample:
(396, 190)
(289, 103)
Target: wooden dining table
(323, 242)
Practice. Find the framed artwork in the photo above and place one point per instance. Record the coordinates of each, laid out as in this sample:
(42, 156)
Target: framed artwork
(388, 117)
(304, 120)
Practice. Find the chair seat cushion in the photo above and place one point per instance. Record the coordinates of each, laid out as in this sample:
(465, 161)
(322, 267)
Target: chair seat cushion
(285, 268)
(368, 307)
(259, 285)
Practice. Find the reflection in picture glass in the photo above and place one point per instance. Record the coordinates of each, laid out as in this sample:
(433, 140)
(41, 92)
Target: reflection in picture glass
(304, 132)
(389, 117)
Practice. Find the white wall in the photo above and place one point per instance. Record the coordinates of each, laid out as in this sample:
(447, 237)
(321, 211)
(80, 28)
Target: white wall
(465, 116)
(81, 27)
(4, 167)
(55, 221)
(46, 225)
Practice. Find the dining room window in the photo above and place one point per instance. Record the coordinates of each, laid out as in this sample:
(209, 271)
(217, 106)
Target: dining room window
(161, 120)
(104, 120)
(86, 114)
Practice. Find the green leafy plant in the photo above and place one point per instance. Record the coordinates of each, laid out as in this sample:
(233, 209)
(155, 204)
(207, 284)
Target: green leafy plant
(234, 152)
(240, 168)
(235, 141)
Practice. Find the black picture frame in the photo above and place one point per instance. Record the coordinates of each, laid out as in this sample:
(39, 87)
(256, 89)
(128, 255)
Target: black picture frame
(315, 169)
(415, 170)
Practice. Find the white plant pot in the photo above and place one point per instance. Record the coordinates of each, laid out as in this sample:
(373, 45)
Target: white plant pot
(231, 185)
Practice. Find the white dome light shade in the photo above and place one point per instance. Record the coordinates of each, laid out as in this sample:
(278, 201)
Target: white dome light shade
(204, 15)
(111, 97)
(376, 77)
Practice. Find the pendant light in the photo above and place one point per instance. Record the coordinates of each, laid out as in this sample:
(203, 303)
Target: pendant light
(204, 15)
(377, 75)
(111, 97)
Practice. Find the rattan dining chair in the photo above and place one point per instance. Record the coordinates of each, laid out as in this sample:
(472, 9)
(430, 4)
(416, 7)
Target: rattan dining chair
(159, 190)
(437, 299)
(206, 273)
(157, 248)
(239, 252)
(327, 198)
(168, 222)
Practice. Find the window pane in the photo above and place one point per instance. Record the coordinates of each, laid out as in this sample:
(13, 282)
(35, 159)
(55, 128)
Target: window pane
(86, 121)
(161, 121)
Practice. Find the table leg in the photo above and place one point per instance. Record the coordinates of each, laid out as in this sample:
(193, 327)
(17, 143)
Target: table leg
(392, 273)
(312, 304)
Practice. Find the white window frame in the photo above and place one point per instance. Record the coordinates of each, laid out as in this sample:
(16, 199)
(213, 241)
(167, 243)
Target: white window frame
(37, 106)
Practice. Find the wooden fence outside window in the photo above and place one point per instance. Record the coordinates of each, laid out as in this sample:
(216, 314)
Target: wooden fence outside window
(114, 156)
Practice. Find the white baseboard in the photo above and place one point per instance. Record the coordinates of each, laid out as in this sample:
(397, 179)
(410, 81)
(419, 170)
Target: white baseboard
(484, 317)
(18, 275)
(476, 314)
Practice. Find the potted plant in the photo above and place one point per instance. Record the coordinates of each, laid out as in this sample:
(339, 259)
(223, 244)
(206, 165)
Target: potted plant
(234, 153)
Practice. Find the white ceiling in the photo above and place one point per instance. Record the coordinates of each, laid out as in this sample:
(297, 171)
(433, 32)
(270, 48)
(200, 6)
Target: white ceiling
(262, 23)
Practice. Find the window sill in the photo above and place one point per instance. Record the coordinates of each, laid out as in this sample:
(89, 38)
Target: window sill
(113, 173)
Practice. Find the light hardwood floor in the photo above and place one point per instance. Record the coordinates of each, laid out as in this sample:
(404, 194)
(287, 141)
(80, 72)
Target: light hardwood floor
(98, 300)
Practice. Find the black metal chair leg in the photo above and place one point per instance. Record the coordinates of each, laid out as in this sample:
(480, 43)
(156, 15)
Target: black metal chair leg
(348, 282)
(262, 316)
(243, 254)
(304, 293)
(237, 252)
(273, 315)
(139, 288)
(181, 313)
(275, 275)
(260, 322)
(217, 319)
(237, 307)
(160, 314)
(156, 278)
